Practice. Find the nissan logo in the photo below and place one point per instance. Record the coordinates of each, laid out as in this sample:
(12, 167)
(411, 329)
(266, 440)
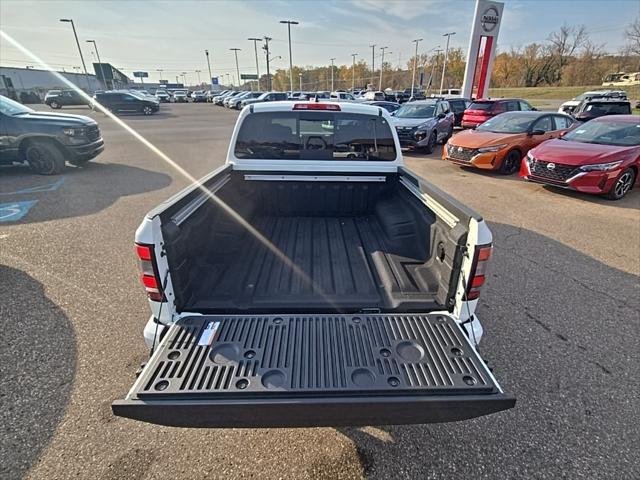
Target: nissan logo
(489, 19)
(551, 166)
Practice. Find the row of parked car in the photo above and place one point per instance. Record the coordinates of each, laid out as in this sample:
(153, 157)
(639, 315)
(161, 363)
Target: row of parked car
(594, 150)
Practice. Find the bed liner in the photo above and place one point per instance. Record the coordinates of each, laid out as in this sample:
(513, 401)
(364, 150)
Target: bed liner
(346, 262)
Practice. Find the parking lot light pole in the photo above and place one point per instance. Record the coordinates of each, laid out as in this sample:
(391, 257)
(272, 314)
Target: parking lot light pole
(184, 78)
(415, 63)
(159, 70)
(95, 47)
(381, 67)
(255, 47)
(265, 47)
(198, 74)
(75, 35)
(289, 23)
(446, 56)
(373, 63)
(235, 51)
(206, 52)
(436, 49)
(353, 72)
(332, 74)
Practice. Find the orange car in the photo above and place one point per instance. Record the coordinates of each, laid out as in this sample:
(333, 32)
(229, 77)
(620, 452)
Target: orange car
(501, 142)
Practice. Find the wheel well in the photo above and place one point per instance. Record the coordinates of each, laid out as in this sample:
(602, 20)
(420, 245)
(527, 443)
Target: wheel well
(29, 140)
(516, 149)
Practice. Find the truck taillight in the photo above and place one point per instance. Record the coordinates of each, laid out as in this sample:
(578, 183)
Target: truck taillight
(149, 272)
(478, 270)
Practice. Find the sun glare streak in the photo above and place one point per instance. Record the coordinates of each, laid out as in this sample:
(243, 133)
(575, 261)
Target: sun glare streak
(235, 215)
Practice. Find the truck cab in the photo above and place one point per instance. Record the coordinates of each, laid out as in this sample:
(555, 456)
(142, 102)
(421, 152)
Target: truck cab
(299, 286)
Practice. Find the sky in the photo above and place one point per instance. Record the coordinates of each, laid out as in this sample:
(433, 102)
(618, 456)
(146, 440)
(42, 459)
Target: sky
(172, 35)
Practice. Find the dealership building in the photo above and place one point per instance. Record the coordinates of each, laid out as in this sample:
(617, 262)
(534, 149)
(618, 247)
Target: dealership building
(25, 83)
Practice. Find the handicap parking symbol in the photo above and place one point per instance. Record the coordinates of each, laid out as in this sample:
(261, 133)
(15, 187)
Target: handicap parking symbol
(14, 211)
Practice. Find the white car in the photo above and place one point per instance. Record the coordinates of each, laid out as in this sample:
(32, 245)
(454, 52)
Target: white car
(569, 106)
(373, 96)
(163, 96)
(342, 97)
(180, 96)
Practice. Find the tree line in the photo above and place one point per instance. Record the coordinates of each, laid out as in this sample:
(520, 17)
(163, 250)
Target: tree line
(567, 57)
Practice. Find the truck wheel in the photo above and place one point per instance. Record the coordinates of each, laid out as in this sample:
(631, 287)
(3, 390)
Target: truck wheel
(55, 105)
(623, 184)
(44, 158)
(511, 163)
(147, 110)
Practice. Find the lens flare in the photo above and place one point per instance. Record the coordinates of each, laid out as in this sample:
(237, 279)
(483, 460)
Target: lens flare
(230, 211)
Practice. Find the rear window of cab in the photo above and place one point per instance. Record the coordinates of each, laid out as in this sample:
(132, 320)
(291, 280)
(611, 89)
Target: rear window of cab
(315, 136)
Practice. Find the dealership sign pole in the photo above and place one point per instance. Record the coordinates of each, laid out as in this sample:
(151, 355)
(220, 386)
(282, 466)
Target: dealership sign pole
(482, 48)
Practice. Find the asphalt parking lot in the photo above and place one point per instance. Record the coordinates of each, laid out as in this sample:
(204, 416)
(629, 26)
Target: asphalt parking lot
(561, 314)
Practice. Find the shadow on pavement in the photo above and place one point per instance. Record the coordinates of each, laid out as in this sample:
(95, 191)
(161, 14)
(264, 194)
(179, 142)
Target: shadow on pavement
(561, 331)
(37, 365)
(630, 200)
(85, 190)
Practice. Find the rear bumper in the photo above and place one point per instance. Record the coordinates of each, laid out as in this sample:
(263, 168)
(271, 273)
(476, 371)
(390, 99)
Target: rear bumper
(469, 124)
(313, 412)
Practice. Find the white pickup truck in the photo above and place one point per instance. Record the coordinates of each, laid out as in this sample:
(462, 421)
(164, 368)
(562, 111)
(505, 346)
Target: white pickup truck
(298, 286)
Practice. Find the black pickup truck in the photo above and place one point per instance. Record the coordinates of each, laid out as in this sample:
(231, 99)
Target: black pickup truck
(45, 141)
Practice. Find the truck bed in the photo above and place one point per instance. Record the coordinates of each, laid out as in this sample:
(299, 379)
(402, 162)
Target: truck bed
(326, 247)
(344, 261)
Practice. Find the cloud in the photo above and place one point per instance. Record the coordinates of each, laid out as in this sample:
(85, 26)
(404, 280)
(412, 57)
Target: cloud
(404, 9)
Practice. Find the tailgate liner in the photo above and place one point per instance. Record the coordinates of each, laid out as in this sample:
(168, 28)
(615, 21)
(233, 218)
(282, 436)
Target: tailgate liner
(312, 370)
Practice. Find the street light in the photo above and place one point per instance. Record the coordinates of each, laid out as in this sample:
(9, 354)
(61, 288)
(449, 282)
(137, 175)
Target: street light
(255, 47)
(69, 20)
(198, 73)
(235, 51)
(436, 49)
(332, 74)
(289, 23)
(446, 56)
(353, 72)
(265, 47)
(184, 78)
(381, 67)
(373, 63)
(159, 70)
(95, 47)
(415, 62)
(206, 52)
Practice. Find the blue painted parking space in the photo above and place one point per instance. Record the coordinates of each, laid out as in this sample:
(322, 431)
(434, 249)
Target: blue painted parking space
(49, 187)
(14, 211)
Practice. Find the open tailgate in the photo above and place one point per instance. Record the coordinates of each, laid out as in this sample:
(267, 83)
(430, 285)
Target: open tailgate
(313, 370)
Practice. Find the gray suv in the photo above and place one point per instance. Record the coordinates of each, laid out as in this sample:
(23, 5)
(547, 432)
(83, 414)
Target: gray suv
(424, 123)
(265, 97)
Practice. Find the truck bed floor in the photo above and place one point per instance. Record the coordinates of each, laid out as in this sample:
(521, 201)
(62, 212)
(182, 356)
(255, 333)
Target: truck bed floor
(337, 263)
